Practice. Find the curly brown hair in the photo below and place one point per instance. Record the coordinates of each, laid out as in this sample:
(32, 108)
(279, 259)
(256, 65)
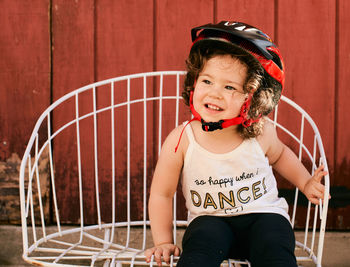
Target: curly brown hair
(267, 91)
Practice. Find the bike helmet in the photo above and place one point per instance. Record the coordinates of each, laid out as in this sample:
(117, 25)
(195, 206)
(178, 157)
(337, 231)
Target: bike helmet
(255, 43)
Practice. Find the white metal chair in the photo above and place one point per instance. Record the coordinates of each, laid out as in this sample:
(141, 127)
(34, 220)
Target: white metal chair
(85, 174)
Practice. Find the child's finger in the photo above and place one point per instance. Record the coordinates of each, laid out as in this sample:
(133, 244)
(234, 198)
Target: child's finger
(148, 254)
(315, 200)
(319, 173)
(177, 252)
(166, 256)
(158, 256)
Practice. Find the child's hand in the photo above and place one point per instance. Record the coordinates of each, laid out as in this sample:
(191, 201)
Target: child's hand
(162, 250)
(313, 189)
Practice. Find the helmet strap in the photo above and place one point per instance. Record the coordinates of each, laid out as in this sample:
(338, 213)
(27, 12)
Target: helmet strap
(242, 118)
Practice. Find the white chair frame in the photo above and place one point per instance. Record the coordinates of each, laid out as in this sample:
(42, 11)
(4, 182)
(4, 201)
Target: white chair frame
(96, 244)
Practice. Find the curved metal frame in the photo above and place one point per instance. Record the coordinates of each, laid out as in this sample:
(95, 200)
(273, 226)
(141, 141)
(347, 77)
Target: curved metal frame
(49, 249)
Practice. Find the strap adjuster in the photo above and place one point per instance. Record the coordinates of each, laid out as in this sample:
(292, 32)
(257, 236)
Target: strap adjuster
(211, 126)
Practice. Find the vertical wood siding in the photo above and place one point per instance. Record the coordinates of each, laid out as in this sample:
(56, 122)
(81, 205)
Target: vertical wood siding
(24, 89)
(49, 48)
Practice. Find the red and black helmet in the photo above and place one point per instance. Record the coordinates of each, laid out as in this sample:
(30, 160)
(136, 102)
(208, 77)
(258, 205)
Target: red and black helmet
(253, 40)
(256, 43)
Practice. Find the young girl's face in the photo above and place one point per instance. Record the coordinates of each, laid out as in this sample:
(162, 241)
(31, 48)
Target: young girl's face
(218, 93)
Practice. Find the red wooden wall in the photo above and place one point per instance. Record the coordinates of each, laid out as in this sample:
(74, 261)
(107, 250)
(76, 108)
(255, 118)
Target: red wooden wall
(50, 47)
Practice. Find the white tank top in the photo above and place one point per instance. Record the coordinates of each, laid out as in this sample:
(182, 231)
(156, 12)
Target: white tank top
(234, 183)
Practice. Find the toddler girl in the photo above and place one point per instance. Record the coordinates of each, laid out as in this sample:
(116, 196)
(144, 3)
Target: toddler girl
(224, 156)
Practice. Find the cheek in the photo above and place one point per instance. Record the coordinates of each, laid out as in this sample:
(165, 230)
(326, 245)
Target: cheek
(238, 98)
(198, 92)
(196, 98)
(239, 102)
(236, 104)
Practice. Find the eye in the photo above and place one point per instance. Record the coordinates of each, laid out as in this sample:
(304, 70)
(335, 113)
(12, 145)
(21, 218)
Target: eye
(229, 87)
(206, 81)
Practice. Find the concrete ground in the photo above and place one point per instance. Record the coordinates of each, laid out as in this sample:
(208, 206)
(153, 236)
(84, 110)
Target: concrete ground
(336, 250)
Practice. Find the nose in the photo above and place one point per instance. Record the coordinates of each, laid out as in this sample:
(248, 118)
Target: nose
(215, 92)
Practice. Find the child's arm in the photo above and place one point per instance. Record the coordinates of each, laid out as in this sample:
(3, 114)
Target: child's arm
(286, 163)
(163, 188)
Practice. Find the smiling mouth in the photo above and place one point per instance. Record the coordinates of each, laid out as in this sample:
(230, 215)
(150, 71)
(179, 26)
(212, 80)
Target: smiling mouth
(213, 107)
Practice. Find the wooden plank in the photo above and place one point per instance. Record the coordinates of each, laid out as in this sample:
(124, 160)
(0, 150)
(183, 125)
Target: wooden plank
(24, 90)
(341, 182)
(124, 45)
(73, 67)
(72, 45)
(306, 39)
(174, 21)
(309, 65)
(124, 37)
(25, 72)
(343, 94)
(254, 12)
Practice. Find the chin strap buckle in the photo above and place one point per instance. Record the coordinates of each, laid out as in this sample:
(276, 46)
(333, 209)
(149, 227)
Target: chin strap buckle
(211, 126)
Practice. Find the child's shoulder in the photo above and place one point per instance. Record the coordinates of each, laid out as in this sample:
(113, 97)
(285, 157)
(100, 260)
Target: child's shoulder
(269, 128)
(268, 137)
(177, 138)
(270, 143)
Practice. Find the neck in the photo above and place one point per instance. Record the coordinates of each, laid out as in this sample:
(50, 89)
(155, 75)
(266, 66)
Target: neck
(219, 141)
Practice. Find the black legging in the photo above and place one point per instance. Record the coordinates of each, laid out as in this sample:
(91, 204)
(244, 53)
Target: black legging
(265, 239)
